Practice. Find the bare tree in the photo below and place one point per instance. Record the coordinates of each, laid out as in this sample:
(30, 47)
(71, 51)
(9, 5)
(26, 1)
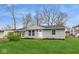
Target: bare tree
(48, 15)
(8, 27)
(61, 19)
(11, 10)
(27, 20)
(51, 16)
(38, 18)
(54, 14)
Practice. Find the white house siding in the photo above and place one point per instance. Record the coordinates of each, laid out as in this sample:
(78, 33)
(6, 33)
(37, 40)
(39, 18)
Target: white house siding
(60, 34)
(40, 34)
(27, 35)
(47, 34)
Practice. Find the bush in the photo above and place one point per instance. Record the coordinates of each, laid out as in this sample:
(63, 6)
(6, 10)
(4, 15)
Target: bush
(13, 36)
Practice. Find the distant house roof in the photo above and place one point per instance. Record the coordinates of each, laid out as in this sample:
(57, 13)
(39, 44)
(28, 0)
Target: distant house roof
(43, 27)
(75, 26)
(9, 30)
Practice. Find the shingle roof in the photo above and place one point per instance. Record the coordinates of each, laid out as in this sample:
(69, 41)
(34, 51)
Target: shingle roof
(43, 27)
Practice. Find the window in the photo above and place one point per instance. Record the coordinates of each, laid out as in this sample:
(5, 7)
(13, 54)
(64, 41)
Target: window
(33, 33)
(29, 33)
(53, 32)
(39, 30)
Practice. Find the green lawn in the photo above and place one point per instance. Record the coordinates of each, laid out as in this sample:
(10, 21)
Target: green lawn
(69, 45)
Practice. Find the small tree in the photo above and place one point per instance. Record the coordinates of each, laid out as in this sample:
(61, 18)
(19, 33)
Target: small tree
(13, 36)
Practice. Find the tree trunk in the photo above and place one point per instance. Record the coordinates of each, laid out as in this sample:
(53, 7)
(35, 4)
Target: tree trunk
(13, 15)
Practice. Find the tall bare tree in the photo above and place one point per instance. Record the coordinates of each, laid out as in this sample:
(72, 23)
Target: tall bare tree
(27, 20)
(54, 14)
(46, 15)
(11, 10)
(61, 19)
(38, 18)
(51, 16)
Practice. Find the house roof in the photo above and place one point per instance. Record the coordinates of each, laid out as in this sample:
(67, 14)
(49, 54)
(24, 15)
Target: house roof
(9, 30)
(75, 26)
(43, 27)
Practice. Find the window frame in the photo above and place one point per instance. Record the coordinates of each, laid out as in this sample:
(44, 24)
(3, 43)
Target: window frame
(33, 32)
(29, 33)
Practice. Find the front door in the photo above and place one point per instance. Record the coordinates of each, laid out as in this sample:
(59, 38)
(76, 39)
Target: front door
(40, 34)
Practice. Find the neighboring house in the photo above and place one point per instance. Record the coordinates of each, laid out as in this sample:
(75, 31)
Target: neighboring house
(43, 32)
(8, 31)
(3, 33)
(75, 30)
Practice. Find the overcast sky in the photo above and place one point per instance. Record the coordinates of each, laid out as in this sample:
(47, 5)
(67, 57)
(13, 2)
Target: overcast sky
(22, 9)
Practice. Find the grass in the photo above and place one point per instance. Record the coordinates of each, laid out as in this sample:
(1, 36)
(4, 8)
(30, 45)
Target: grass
(67, 46)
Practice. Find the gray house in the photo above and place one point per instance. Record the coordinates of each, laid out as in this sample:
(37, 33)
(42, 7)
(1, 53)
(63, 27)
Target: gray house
(43, 32)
